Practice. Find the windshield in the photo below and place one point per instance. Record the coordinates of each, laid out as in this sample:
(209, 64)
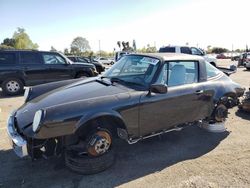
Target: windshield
(135, 69)
(68, 60)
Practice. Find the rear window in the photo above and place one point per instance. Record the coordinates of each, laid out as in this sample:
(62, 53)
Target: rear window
(167, 49)
(186, 50)
(29, 58)
(7, 58)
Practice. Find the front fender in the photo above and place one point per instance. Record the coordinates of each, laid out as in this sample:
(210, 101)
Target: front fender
(90, 116)
(65, 119)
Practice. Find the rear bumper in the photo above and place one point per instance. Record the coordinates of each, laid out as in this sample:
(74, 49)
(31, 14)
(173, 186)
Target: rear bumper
(18, 143)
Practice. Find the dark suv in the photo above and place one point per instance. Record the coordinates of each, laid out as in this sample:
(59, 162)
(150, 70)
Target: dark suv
(19, 68)
(99, 66)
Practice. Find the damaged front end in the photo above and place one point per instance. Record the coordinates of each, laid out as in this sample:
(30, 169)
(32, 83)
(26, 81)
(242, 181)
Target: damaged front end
(245, 102)
(35, 148)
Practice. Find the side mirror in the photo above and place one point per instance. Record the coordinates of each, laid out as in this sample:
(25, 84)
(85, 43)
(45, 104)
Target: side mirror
(159, 88)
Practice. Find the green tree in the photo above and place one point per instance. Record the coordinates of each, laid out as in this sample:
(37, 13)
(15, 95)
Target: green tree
(9, 42)
(66, 51)
(218, 50)
(5, 47)
(22, 40)
(79, 45)
(239, 50)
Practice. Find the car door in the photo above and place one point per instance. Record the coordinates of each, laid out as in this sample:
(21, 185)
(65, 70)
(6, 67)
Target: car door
(57, 67)
(182, 103)
(33, 70)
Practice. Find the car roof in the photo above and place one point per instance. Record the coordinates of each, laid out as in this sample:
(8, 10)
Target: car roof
(171, 56)
(25, 50)
(176, 46)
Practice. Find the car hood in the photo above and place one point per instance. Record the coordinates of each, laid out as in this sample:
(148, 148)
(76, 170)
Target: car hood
(82, 64)
(82, 90)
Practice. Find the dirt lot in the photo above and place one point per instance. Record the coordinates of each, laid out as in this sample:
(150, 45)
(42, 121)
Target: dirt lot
(190, 158)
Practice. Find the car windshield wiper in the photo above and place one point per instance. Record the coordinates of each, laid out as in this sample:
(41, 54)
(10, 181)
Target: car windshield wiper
(115, 79)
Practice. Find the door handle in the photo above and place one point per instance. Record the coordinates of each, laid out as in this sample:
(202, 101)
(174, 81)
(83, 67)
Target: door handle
(198, 92)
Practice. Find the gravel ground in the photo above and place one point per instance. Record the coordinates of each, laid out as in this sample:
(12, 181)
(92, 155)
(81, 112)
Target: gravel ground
(189, 158)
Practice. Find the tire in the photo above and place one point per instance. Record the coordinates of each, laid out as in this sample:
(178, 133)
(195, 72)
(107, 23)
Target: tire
(82, 75)
(12, 86)
(89, 165)
(97, 156)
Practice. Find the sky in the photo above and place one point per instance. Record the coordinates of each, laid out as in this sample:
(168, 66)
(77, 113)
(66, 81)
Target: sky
(219, 23)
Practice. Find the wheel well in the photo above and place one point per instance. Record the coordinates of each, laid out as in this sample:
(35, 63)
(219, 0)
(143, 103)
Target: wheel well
(9, 77)
(108, 122)
(229, 100)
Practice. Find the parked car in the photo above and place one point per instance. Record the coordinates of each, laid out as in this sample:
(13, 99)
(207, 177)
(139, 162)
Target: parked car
(221, 56)
(235, 58)
(189, 50)
(19, 68)
(99, 67)
(105, 61)
(140, 96)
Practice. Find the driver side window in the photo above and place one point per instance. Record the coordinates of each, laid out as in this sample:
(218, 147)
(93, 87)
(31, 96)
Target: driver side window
(53, 59)
(195, 51)
(179, 73)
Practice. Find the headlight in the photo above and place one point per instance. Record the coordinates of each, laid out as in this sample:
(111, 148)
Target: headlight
(37, 120)
(27, 94)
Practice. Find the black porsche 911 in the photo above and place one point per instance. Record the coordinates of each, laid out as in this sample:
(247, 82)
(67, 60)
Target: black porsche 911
(141, 96)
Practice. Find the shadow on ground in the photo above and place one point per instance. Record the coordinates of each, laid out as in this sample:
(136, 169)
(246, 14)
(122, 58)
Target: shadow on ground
(132, 162)
(2, 96)
(243, 114)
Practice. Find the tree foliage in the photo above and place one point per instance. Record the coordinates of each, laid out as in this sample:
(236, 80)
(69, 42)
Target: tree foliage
(9, 42)
(22, 40)
(218, 50)
(148, 49)
(5, 47)
(66, 51)
(79, 45)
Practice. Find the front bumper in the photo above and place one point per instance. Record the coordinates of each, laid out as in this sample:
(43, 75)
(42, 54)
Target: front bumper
(18, 143)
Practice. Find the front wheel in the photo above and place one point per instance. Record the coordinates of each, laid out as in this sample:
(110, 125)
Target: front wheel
(95, 155)
(12, 86)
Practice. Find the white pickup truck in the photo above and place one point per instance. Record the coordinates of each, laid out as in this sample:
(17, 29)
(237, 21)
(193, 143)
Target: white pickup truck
(189, 50)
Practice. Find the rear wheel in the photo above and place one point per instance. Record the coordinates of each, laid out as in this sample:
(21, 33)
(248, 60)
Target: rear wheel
(216, 123)
(12, 86)
(93, 156)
